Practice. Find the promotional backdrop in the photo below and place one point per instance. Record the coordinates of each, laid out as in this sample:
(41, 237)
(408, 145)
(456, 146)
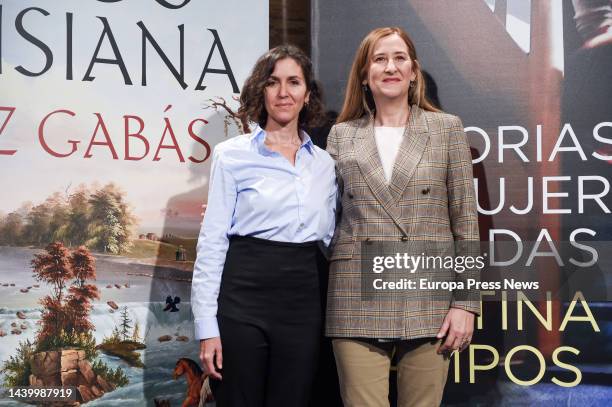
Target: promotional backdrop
(534, 96)
(109, 111)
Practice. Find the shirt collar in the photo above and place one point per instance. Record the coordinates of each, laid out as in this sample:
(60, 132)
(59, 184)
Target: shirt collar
(258, 136)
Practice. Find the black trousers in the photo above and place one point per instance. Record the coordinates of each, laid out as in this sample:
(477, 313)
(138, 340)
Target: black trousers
(270, 323)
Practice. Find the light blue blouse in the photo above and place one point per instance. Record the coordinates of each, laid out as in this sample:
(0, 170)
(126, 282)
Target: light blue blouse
(254, 191)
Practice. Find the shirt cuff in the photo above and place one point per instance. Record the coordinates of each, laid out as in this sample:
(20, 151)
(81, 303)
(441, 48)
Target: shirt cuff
(206, 328)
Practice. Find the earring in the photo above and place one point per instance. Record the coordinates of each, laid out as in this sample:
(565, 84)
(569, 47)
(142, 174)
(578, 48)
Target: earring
(365, 88)
(412, 84)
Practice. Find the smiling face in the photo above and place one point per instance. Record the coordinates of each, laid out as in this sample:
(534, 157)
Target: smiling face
(390, 69)
(285, 93)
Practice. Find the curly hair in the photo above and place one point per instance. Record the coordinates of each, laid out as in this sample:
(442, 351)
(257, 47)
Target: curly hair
(252, 101)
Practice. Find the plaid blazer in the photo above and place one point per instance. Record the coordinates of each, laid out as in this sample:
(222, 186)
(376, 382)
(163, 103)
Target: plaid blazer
(430, 198)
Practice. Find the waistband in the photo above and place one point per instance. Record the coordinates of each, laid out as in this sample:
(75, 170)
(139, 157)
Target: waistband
(267, 242)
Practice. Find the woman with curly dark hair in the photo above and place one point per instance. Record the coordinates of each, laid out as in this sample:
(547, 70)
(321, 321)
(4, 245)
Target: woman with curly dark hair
(271, 200)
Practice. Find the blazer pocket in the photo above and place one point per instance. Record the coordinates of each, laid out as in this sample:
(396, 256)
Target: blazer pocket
(343, 249)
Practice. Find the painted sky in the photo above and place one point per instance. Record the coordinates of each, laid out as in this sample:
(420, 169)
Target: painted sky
(32, 174)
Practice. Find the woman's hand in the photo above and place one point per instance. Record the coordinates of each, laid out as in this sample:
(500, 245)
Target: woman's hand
(210, 354)
(599, 40)
(458, 327)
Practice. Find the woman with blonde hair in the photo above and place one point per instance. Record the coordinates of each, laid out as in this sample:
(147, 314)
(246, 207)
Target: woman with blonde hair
(405, 175)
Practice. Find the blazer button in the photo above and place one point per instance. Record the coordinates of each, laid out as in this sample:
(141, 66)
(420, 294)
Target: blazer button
(425, 191)
(404, 238)
(350, 195)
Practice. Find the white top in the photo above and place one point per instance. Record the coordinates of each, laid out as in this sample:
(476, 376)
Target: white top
(388, 140)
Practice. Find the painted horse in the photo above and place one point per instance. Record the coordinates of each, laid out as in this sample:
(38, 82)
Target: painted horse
(198, 388)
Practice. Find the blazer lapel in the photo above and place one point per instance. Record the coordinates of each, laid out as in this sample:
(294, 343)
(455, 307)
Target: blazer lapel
(410, 152)
(368, 160)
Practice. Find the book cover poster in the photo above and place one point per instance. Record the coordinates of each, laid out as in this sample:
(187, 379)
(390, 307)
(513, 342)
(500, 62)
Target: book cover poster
(109, 111)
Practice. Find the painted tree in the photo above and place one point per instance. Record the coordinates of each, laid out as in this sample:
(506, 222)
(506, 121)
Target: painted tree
(125, 324)
(38, 220)
(53, 267)
(79, 301)
(112, 220)
(111, 232)
(11, 229)
(78, 219)
(116, 335)
(231, 117)
(136, 333)
(58, 222)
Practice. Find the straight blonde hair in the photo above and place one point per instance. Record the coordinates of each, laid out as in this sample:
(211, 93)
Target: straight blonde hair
(357, 103)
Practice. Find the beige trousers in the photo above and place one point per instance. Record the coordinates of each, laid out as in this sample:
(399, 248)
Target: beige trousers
(363, 370)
